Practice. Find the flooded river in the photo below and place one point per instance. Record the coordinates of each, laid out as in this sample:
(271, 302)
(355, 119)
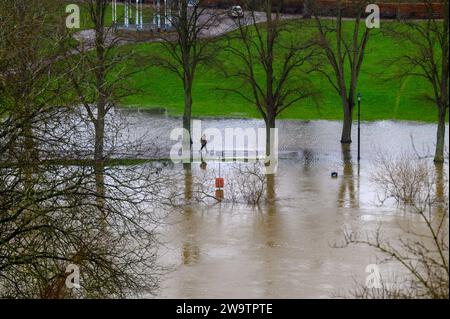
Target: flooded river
(284, 247)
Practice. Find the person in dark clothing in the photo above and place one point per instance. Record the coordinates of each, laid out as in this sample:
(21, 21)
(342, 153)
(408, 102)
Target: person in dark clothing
(203, 142)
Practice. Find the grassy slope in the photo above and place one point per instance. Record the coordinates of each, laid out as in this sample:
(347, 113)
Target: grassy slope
(382, 99)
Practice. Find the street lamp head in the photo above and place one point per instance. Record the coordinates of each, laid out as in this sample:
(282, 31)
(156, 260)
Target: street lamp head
(359, 96)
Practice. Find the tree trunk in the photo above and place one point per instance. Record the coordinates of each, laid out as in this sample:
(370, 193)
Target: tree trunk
(270, 123)
(270, 108)
(440, 141)
(99, 161)
(99, 132)
(30, 153)
(346, 136)
(187, 119)
(270, 184)
(99, 123)
(307, 9)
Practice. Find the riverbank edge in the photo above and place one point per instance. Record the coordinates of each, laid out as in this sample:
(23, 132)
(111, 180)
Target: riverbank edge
(162, 111)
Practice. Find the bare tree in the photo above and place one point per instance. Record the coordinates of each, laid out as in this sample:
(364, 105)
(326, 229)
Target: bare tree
(343, 51)
(98, 81)
(190, 43)
(271, 60)
(49, 202)
(427, 58)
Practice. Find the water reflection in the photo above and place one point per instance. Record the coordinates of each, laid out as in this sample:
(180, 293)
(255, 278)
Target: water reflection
(271, 223)
(346, 195)
(440, 182)
(203, 164)
(268, 238)
(308, 159)
(284, 247)
(441, 192)
(271, 195)
(190, 251)
(187, 167)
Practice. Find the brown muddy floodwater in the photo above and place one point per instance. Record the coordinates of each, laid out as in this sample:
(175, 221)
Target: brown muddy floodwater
(284, 249)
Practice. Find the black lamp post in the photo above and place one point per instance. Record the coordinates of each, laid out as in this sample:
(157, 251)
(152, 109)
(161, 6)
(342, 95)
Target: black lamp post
(359, 126)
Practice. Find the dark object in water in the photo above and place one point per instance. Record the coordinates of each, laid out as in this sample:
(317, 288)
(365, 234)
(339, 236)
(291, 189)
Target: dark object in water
(334, 174)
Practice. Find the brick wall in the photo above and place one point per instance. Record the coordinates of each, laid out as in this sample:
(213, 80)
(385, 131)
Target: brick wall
(388, 9)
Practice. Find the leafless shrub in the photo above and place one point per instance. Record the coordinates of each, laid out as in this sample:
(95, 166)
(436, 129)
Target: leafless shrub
(391, 287)
(423, 248)
(409, 181)
(244, 183)
(251, 182)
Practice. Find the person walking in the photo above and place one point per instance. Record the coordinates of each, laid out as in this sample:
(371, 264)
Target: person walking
(203, 142)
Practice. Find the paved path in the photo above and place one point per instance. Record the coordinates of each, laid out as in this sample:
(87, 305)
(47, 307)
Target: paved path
(219, 23)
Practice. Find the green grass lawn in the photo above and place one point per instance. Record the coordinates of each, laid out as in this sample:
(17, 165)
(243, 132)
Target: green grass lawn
(382, 98)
